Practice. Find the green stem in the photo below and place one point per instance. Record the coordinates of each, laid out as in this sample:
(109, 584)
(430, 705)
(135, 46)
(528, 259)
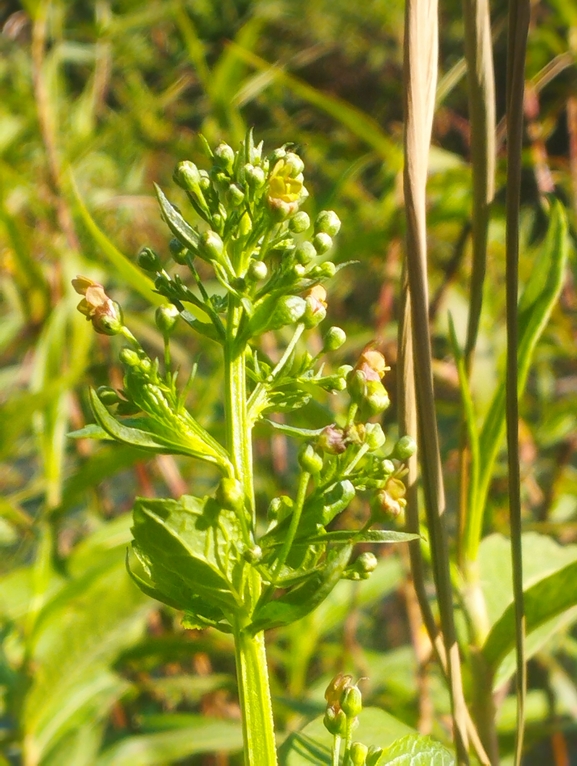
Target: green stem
(336, 750)
(255, 700)
(252, 673)
(296, 516)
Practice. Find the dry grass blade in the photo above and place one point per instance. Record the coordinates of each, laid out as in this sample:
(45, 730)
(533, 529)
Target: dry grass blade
(519, 14)
(421, 49)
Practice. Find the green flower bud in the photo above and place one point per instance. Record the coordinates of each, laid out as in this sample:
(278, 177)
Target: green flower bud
(255, 176)
(211, 246)
(328, 222)
(365, 564)
(221, 181)
(389, 502)
(187, 176)
(224, 156)
(376, 399)
(257, 271)
(148, 260)
(104, 313)
(289, 309)
(335, 721)
(229, 494)
(178, 251)
(358, 754)
(374, 436)
(299, 222)
(334, 339)
(335, 689)
(387, 467)
(352, 701)
(324, 270)
(107, 395)
(404, 448)
(129, 357)
(293, 164)
(277, 155)
(305, 253)
(322, 242)
(235, 195)
(298, 271)
(309, 459)
(357, 386)
(166, 317)
(204, 182)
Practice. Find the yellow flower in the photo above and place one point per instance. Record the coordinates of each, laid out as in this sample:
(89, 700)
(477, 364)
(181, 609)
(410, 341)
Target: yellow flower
(104, 313)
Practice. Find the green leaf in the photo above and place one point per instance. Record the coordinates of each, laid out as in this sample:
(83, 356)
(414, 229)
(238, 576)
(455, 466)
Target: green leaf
(299, 601)
(416, 750)
(90, 431)
(313, 744)
(550, 588)
(341, 536)
(535, 305)
(176, 223)
(200, 734)
(123, 266)
(186, 548)
(155, 437)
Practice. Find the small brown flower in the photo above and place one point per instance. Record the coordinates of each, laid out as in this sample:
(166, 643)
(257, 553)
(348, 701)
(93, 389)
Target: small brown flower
(104, 313)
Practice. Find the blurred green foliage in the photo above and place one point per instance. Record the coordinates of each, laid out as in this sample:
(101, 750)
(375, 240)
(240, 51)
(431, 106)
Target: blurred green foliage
(99, 100)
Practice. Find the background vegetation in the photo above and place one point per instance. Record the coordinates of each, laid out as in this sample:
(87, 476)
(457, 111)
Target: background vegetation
(98, 101)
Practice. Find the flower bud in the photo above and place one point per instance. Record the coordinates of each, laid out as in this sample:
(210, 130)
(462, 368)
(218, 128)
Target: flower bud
(328, 222)
(334, 339)
(365, 564)
(285, 188)
(352, 701)
(299, 222)
(305, 252)
(334, 691)
(166, 317)
(374, 436)
(224, 156)
(332, 440)
(376, 399)
(357, 386)
(372, 363)
(335, 721)
(257, 271)
(211, 246)
(316, 306)
(107, 395)
(187, 176)
(254, 176)
(289, 309)
(293, 164)
(358, 754)
(129, 357)
(309, 459)
(324, 270)
(404, 448)
(252, 555)
(235, 195)
(178, 251)
(322, 242)
(148, 260)
(229, 494)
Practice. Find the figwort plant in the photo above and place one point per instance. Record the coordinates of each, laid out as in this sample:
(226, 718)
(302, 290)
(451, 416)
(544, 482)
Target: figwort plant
(214, 557)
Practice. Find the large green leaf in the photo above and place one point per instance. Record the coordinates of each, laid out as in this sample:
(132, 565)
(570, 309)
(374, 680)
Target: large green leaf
(550, 587)
(186, 549)
(416, 750)
(195, 734)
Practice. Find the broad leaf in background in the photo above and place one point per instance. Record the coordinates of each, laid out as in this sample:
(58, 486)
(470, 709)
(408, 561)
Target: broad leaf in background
(550, 586)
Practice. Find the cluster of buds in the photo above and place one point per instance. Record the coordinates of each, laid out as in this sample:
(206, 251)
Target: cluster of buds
(344, 704)
(104, 313)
